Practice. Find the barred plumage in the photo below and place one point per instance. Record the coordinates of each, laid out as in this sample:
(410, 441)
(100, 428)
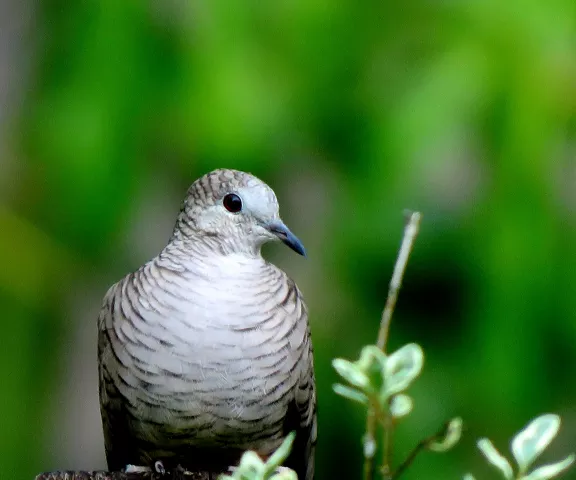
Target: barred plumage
(205, 350)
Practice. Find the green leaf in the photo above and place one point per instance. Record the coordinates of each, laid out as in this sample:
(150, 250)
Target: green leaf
(373, 363)
(350, 393)
(369, 446)
(401, 405)
(372, 358)
(284, 473)
(451, 437)
(495, 458)
(351, 372)
(253, 468)
(550, 471)
(282, 452)
(402, 367)
(534, 439)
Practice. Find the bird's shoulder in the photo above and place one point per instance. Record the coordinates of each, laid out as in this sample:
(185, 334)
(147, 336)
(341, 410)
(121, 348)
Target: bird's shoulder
(116, 292)
(106, 306)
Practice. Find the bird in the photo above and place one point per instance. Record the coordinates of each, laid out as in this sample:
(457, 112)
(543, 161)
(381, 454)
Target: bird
(205, 351)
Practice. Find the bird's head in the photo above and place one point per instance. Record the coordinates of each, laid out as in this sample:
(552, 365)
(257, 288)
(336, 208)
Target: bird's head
(234, 211)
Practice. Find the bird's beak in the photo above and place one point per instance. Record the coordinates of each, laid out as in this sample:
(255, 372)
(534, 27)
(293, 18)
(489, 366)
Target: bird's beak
(284, 234)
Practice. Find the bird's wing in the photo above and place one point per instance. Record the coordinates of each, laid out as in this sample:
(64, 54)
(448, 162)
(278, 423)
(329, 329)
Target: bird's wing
(301, 415)
(115, 416)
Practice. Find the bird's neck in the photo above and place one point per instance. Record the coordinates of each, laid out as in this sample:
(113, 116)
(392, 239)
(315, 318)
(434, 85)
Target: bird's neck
(188, 238)
(191, 252)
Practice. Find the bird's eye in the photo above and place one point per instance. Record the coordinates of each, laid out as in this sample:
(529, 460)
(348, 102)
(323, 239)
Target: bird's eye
(232, 203)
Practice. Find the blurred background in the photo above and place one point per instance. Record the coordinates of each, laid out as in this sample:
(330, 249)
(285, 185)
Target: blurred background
(352, 111)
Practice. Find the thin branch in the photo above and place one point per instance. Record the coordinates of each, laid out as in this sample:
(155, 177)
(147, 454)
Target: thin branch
(417, 449)
(410, 233)
(387, 445)
(369, 446)
(410, 458)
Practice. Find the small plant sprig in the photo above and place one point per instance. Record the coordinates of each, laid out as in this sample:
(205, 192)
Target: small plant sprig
(527, 445)
(252, 467)
(378, 380)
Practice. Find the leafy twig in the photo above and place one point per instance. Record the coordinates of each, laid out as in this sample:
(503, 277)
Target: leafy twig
(442, 440)
(410, 233)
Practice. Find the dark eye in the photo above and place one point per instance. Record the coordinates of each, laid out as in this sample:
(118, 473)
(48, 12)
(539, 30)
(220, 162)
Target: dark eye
(232, 203)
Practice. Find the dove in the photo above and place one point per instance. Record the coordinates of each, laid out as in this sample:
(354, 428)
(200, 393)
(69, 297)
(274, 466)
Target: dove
(204, 352)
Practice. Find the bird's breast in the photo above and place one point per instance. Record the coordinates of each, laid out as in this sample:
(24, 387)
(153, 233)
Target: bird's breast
(212, 356)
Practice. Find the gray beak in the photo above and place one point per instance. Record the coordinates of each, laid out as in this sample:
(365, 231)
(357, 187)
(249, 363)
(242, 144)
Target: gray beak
(284, 234)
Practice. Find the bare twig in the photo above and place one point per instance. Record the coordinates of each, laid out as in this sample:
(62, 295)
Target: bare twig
(410, 233)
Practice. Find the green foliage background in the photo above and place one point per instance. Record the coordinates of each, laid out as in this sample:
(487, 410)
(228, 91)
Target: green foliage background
(352, 111)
